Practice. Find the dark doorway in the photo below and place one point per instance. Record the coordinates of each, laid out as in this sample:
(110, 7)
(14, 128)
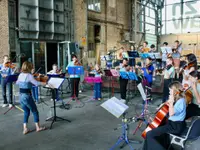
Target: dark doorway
(51, 55)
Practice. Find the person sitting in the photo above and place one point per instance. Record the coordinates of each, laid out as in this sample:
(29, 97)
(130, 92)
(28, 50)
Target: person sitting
(193, 106)
(157, 139)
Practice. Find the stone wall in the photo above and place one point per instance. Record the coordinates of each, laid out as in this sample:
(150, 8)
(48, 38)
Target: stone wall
(4, 28)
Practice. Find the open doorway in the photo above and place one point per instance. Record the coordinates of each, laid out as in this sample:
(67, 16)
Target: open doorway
(51, 55)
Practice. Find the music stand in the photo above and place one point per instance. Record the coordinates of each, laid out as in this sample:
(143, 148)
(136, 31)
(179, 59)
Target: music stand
(93, 80)
(54, 84)
(76, 70)
(11, 79)
(109, 74)
(132, 56)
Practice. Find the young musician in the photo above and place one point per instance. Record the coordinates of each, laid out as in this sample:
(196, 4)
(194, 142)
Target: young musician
(169, 74)
(25, 81)
(145, 48)
(165, 52)
(177, 50)
(193, 108)
(152, 48)
(190, 65)
(123, 82)
(55, 70)
(148, 71)
(175, 124)
(74, 79)
(5, 72)
(97, 87)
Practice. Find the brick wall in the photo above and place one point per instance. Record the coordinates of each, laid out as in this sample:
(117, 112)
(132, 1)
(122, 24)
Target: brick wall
(4, 28)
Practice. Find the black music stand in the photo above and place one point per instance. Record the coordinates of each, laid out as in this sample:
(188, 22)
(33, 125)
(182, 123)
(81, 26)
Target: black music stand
(109, 74)
(132, 56)
(54, 84)
(76, 70)
(11, 79)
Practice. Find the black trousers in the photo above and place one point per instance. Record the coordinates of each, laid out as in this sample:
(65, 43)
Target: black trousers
(166, 89)
(74, 87)
(123, 87)
(192, 110)
(158, 139)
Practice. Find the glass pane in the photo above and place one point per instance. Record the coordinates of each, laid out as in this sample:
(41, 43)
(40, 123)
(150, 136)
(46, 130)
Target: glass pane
(173, 26)
(173, 11)
(152, 13)
(150, 29)
(191, 25)
(163, 27)
(150, 20)
(163, 14)
(39, 53)
(26, 51)
(191, 9)
(172, 1)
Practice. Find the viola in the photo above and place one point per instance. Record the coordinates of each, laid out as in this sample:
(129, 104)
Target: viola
(10, 65)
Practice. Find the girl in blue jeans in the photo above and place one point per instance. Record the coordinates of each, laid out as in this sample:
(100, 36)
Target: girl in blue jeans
(97, 86)
(25, 81)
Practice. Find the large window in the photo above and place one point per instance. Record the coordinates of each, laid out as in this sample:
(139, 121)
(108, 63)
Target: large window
(181, 16)
(94, 5)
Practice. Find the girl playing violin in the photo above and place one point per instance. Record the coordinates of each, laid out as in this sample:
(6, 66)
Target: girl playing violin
(193, 108)
(74, 79)
(25, 81)
(148, 71)
(175, 124)
(55, 70)
(97, 87)
(190, 65)
(6, 70)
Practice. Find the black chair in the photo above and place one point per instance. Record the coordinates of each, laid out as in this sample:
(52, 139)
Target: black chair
(190, 133)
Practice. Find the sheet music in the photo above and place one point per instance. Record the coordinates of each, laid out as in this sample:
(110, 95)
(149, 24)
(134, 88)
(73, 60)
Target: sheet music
(115, 107)
(55, 83)
(165, 50)
(141, 89)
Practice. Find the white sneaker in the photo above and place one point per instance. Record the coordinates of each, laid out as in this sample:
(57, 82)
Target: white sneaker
(10, 105)
(4, 105)
(123, 101)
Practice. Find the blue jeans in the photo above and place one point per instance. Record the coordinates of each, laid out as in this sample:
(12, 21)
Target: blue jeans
(5, 85)
(35, 93)
(28, 105)
(97, 90)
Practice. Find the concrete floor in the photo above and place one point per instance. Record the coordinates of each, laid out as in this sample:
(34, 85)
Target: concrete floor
(92, 127)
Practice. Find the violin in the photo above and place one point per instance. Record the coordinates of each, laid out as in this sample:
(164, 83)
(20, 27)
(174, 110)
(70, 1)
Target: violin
(40, 77)
(77, 63)
(10, 65)
(174, 50)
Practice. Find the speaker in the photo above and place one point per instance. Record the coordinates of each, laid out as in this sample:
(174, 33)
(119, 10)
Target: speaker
(74, 48)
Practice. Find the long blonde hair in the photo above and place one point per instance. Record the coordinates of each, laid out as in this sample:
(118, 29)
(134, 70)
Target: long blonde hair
(178, 89)
(27, 67)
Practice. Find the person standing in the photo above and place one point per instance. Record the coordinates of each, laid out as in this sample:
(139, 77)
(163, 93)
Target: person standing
(74, 79)
(6, 70)
(25, 81)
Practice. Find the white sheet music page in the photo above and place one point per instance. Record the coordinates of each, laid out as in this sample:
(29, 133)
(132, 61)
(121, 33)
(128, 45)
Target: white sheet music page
(115, 107)
(141, 89)
(55, 83)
